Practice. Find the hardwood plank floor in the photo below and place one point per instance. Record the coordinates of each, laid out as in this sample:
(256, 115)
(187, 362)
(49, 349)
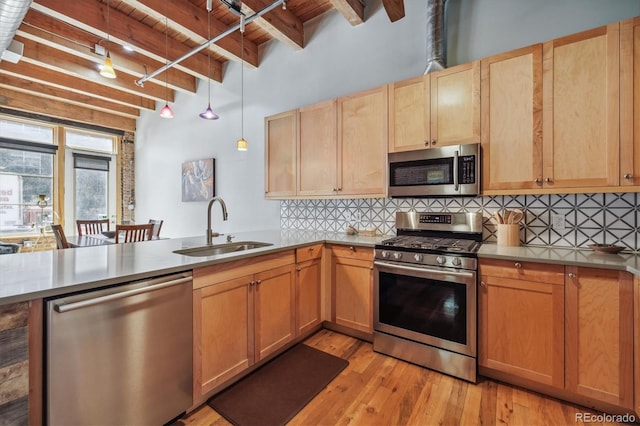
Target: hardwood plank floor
(379, 390)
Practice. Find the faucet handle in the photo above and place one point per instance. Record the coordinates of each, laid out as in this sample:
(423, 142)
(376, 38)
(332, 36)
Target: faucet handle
(215, 234)
(230, 237)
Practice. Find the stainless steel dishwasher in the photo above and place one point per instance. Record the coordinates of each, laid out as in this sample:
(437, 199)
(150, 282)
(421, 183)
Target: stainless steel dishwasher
(121, 355)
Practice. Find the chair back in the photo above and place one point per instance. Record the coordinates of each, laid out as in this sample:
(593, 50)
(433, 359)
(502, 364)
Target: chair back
(157, 224)
(61, 239)
(133, 233)
(89, 227)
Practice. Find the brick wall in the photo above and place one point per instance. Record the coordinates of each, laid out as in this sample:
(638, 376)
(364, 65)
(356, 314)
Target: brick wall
(127, 178)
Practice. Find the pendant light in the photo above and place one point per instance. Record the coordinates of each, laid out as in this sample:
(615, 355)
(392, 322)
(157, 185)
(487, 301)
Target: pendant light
(208, 113)
(242, 144)
(166, 111)
(107, 69)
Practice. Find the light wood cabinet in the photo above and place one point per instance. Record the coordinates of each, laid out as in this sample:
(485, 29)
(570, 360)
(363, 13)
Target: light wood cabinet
(243, 311)
(581, 109)
(308, 290)
(630, 102)
(362, 143)
(599, 334)
(438, 109)
(352, 287)
(512, 120)
(281, 136)
(521, 320)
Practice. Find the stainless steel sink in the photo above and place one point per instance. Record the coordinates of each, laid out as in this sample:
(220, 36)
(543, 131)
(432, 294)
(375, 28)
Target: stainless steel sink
(225, 248)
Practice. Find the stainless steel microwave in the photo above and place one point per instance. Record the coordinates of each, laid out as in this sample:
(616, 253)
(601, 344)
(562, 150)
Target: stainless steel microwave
(436, 172)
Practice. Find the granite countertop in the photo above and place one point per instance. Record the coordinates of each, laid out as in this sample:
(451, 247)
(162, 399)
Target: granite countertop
(26, 276)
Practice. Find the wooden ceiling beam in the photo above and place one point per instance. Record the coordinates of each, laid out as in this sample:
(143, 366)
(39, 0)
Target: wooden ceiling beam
(394, 9)
(44, 29)
(48, 57)
(53, 78)
(25, 102)
(90, 15)
(49, 92)
(280, 24)
(352, 10)
(192, 22)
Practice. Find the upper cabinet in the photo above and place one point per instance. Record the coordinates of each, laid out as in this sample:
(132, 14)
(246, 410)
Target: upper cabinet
(630, 102)
(438, 109)
(512, 119)
(280, 154)
(581, 110)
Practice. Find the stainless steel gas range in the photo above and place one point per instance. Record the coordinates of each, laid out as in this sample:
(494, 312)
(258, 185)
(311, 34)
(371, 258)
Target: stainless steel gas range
(425, 293)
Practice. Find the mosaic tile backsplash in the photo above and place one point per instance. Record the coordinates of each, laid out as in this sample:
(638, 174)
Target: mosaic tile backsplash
(588, 218)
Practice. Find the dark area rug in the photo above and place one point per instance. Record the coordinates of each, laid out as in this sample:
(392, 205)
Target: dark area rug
(273, 394)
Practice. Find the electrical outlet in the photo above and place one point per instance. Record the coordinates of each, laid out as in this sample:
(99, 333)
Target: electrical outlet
(358, 217)
(558, 222)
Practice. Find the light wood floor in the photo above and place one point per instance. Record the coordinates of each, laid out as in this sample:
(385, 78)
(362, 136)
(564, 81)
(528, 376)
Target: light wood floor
(379, 390)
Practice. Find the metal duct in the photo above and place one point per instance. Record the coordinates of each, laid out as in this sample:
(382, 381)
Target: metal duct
(12, 13)
(436, 36)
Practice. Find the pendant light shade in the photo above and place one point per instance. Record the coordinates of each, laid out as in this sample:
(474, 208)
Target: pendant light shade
(242, 144)
(208, 113)
(166, 111)
(107, 69)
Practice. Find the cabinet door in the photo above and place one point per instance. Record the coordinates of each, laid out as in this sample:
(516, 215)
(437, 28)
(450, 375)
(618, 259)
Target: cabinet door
(455, 105)
(521, 328)
(222, 326)
(630, 102)
(512, 120)
(581, 109)
(308, 295)
(362, 143)
(317, 154)
(274, 301)
(281, 132)
(352, 291)
(599, 334)
(409, 114)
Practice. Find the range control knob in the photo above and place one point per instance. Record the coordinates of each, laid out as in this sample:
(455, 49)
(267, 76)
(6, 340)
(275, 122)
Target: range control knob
(456, 261)
(417, 257)
(441, 260)
(397, 255)
(384, 254)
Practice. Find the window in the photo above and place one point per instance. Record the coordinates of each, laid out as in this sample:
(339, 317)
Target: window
(90, 141)
(91, 186)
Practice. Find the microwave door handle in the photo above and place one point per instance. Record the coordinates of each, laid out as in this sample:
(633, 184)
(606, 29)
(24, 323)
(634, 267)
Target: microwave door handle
(456, 183)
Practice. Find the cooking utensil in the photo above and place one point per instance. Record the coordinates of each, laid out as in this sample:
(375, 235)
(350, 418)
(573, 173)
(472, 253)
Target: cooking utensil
(516, 216)
(505, 216)
(606, 248)
(498, 217)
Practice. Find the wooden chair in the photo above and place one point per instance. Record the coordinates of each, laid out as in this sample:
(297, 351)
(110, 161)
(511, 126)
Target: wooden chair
(133, 233)
(157, 224)
(61, 239)
(88, 227)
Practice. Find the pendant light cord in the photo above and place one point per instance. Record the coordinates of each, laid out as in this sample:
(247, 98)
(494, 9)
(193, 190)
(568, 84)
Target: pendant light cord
(209, 53)
(108, 27)
(166, 51)
(242, 83)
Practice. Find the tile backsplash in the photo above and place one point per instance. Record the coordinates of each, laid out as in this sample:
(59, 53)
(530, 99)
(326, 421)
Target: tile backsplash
(588, 218)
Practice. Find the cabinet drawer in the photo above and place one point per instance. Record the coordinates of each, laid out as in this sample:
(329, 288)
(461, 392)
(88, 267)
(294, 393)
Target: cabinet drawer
(353, 252)
(539, 272)
(308, 253)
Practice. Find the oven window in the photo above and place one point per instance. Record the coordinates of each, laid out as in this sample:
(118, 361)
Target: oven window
(422, 172)
(430, 307)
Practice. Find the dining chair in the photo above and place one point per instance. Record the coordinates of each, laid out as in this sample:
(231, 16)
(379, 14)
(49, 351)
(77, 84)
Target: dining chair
(61, 239)
(133, 233)
(88, 227)
(157, 224)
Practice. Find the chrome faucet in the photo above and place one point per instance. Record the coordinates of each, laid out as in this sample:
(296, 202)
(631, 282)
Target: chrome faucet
(224, 217)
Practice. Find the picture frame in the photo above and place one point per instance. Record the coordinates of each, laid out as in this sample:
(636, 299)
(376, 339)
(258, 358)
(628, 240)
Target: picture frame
(198, 180)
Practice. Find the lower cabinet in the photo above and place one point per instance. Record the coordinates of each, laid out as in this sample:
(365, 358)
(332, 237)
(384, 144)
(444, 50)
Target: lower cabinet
(352, 287)
(308, 288)
(569, 329)
(243, 312)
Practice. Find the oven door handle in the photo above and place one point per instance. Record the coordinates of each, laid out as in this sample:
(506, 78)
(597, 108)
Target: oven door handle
(426, 270)
(456, 179)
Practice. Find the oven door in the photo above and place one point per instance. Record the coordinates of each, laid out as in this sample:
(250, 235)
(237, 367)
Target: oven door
(431, 305)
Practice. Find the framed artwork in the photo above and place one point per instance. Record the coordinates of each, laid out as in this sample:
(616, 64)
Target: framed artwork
(198, 180)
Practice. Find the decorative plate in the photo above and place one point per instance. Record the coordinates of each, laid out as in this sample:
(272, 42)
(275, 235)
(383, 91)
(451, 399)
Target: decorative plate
(606, 248)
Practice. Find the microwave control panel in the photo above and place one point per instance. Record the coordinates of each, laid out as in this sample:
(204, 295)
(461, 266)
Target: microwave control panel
(467, 169)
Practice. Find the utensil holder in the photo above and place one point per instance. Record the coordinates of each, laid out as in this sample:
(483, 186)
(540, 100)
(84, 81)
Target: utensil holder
(509, 234)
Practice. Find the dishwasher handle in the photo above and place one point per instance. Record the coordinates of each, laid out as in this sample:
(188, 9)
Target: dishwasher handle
(152, 285)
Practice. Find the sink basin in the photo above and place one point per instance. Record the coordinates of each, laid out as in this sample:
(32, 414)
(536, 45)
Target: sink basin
(225, 248)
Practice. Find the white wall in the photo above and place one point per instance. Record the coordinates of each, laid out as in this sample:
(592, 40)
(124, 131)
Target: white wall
(338, 59)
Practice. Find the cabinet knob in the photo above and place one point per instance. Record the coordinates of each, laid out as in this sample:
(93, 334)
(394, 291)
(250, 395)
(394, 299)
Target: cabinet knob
(259, 282)
(352, 248)
(537, 180)
(483, 284)
(251, 283)
(426, 143)
(572, 275)
(433, 142)
(298, 269)
(628, 176)
(518, 265)
(548, 180)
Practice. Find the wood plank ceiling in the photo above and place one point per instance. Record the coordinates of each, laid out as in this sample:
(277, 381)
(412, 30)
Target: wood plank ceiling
(58, 74)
